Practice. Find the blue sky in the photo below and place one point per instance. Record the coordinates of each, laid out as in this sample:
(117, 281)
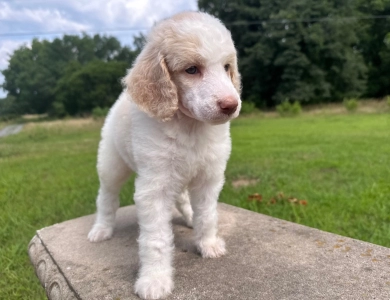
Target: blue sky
(20, 18)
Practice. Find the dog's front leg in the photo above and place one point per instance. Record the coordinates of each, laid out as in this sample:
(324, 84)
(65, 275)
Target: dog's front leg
(154, 201)
(204, 192)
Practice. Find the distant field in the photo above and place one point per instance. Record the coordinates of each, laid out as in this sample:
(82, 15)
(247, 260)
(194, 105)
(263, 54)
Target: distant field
(338, 166)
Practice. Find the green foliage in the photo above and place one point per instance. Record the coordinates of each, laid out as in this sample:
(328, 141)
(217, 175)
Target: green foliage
(283, 108)
(289, 109)
(96, 84)
(36, 75)
(98, 112)
(387, 99)
(296, 108)
(57, 110)
(247, 107)
(314, 51)
(351, 104)
(374, 44)
(8, 108)
(314, 61)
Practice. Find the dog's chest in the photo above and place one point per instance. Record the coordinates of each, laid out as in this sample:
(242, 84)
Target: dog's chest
(174, 148)
(200, 148)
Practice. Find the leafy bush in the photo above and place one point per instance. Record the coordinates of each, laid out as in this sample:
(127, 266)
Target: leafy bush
(387, 99)
(287, 109)
(9, 117)
(296, 108)
(248, 107)
(9, 109)
(283, 108)
(57, 110)
(85, 87)
(99, 112)
(351, 104)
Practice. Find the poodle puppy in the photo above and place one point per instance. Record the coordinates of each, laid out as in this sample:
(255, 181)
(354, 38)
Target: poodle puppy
(171, 127)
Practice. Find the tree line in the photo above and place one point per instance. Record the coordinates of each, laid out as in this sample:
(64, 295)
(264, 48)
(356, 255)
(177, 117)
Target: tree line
(310, 51)
(67, 76)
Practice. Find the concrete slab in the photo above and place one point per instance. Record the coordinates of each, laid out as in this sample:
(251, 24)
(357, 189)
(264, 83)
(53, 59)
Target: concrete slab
(268, 259)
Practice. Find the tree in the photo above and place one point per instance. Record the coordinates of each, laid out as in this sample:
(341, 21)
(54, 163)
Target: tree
(288, 51)
(33, 73)
(375, 45)
(29, 78)
(84, 87)
(8, 109)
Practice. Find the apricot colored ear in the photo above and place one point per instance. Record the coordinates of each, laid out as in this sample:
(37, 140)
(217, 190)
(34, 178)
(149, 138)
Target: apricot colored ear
(235, 76)
(150, 86)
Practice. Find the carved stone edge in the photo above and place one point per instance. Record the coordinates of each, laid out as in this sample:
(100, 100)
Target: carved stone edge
(50, 276)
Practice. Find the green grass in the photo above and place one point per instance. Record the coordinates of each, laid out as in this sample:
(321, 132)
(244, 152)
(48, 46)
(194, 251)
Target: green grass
(339, 164)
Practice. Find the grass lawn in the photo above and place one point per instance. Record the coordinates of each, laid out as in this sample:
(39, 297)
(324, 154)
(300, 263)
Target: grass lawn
(338, 164)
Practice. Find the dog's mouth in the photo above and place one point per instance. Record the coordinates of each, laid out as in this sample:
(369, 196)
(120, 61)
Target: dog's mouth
(185, 110)
(213, 120)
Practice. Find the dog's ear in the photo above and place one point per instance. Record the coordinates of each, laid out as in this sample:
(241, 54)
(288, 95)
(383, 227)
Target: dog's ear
(150, 86)
(235, 76)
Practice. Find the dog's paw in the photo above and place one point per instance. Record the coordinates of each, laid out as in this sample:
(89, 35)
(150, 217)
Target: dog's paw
(154, 287)
(212, 248)
(100, 233)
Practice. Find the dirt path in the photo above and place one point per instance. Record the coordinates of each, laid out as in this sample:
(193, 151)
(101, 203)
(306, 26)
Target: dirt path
(11, 129)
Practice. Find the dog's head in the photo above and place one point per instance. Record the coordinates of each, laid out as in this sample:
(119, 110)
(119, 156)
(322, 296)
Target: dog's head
(189, 63)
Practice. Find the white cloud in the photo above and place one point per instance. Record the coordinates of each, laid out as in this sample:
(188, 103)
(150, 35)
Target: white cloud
(37, 18)
(6, 49)
(129, 13)
(76, 16)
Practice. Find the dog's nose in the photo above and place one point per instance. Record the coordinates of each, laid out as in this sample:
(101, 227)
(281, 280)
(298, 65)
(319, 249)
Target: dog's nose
(228, 105)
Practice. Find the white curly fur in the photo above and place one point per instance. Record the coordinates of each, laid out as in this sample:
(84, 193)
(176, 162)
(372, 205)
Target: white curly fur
(170, 128)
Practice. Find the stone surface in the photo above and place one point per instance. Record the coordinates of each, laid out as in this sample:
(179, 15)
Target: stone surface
(268, 259)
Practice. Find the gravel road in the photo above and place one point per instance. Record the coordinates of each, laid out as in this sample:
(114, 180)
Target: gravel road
(11, 129)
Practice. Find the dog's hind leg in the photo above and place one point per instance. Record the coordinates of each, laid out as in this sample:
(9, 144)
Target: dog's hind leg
(183, 205)
(113, 173)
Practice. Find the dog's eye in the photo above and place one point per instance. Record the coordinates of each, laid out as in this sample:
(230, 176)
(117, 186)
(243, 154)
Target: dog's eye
(192, 70)
(227, 67)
